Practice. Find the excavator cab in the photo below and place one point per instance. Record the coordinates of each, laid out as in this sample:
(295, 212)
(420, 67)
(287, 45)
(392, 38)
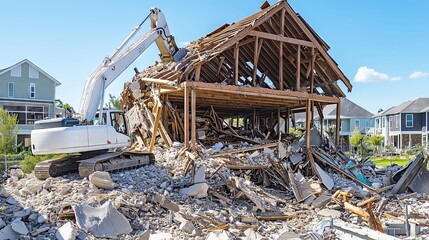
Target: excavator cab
(114, 118)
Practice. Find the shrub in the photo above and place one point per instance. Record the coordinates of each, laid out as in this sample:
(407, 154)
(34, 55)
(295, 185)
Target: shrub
(30, 161)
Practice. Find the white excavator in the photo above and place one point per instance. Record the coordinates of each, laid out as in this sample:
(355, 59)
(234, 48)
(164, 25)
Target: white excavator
(96, 130)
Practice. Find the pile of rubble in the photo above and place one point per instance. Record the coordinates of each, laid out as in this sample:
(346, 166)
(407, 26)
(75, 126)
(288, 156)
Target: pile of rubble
(255, 192)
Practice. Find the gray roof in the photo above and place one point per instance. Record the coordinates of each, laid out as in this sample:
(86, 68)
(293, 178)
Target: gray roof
(348, 109)
(57, 83)
(413, 106)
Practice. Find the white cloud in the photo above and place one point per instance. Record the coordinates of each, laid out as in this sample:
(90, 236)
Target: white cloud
(418, 74)
(365, 74)
(396, 78)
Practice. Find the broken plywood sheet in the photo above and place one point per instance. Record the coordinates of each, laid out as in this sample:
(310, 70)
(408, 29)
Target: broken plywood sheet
(412, 170)
(102, 221)
(252, 196)
(326, 179)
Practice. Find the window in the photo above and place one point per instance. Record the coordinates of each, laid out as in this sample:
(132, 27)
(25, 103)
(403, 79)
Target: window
(397, 121)
(118, 122)
(16, 71)
(424, 139)
(383, 122)
(357, 123)
(10, 89)
(32, 72)
(409, 120)
(32, 90)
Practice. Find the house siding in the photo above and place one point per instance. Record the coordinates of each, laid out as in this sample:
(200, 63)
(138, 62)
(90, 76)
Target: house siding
(45, 87)
(394, 124)
(418, 119)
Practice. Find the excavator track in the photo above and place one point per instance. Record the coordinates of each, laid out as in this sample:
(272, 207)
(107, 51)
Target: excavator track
(57, 167)
(87, 164)
(112, 161)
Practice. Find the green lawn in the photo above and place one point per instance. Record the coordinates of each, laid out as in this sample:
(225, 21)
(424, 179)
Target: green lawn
(387, 161)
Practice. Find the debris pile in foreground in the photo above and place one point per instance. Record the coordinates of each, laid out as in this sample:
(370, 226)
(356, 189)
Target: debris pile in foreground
(216, 194)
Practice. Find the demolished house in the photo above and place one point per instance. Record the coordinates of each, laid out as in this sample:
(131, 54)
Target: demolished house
(226, 166)
(257, 71)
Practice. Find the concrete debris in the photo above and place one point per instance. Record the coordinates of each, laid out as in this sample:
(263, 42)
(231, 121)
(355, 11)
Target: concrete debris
(102, 180)
(8, 233)
(187, 227)
(198, 190)
(102, 221)
(241, 192)
(19, 227)
(66, 232)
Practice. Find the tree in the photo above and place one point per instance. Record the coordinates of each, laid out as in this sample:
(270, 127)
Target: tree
(8, 131)
(376, 141)
(65, 106)
(114, 102)
(356, 138)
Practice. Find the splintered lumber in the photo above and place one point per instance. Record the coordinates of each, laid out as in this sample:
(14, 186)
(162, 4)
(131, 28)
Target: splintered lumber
(221, 197)
(246, 167)
(247, 149)
(252, 196)
(155, 129)
(408, 176)
(238, 136)
(274, 217)
(338, 169)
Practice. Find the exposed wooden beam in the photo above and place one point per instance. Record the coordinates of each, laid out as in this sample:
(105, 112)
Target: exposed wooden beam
(298, 69)
(307, 124)
(281, 38)
(322, 51)
(193, 120)
(261, 92)
(198, 72)
(222, 60)
(236, 70)
(255, 60)
(186, 114)
(338, 125)
(312, 73)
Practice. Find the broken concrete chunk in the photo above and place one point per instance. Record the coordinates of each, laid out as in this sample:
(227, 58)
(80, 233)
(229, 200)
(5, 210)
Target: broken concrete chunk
(321, 201)
(102, 180)
(17, 173)
(187, 227)
(198, 190)
(329, 213)
(66, 232)
(161, 236)
(2, 223)
(8, 233)
(165, 202)
(200, 175)
(145, 235)
(42, 218)
(102, 221)
(34, 187)
(252, 235)
(19, 227)
(11, 200)
(23, 213)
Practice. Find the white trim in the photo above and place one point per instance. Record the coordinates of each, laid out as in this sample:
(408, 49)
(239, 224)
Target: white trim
(16, 71)
(406, 120)
(57, 83)
(8, 90)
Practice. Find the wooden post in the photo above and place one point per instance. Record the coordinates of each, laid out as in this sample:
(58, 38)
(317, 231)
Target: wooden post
(338, 124)
(287, 119)
(312, 71)
(193, 119)
(282, 25)
(255, 60)
(155, 127)
(278, 121)
(198, 72)
(186, 116)
(307, 123)
(236, 53)
(298, 69)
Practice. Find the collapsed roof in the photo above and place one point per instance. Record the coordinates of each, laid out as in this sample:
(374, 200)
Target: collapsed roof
(211, 58)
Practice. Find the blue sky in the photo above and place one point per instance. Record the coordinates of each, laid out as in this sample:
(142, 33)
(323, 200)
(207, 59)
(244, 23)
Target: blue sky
(381, 46)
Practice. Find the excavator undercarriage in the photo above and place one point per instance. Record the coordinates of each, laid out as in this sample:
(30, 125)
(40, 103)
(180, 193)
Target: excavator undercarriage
(87, 163)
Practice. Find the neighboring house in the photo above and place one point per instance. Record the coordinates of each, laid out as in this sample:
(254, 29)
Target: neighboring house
(351, 116)
(405, 125)
(29, 92)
